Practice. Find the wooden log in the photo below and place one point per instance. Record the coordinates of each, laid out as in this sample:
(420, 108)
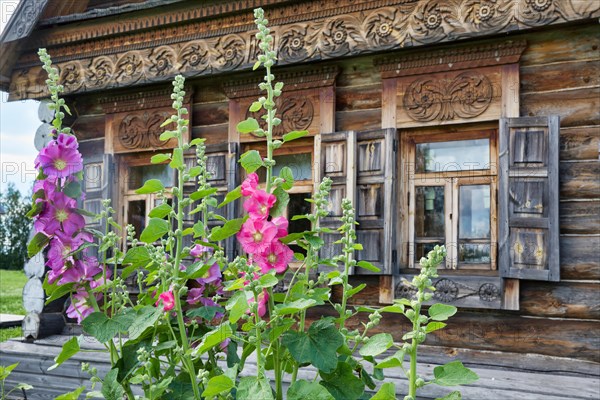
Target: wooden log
(33, 295)
(576, 107)
(89, 127)
(37, 326)
(361, 120)
(356, 72)
(579, 257)
(210, 113)
(580, 143)
(213, 134)
(580, 217)
(560, 299)
(579, 180)
(561, 75)
(358, 98)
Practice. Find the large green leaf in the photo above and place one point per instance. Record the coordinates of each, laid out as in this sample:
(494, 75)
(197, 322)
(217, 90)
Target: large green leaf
(294, 306)
(111, 389)
(317, 346)
(160, 211)
(145, 317)
(136, 257)
(376, 345)
(150, 186)
(386, 392)
(69, 349)
(293, 135)
(454, 373)
(288, 178)
(217, 385)
(441, 312)
(214, 338)
(247, 126)
(231, 196)
(342, 383)
(237, 306)
(283, 198)
(74, 395)
(177, 159)
(157, 228)
(103, 328)
(451, 396)
(230, 228)
(392, 361)
(254, 388)
(251, 161)
(303, 390)
(36, 244)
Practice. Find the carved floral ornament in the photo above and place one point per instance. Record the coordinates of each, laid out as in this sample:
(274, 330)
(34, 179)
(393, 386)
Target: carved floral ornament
(363, 28)
(448, 291)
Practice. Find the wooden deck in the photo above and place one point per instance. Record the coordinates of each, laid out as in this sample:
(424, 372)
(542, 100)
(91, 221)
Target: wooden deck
(503, 376)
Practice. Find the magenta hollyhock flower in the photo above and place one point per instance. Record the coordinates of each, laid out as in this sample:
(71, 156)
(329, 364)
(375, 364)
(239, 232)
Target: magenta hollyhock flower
(249, 184)
(195, 294)
(198, 250)
(62, 245)
(224, 344)
(259, 204)
(60, 213)
(213, 274)
(67, 141)
(277, 256)
(282, 226)
(256, 235)
(80, 308)
(263, 298)
(58, 160)
(167, 299)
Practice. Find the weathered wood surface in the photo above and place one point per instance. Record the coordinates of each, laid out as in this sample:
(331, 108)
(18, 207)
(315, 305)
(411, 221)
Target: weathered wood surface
(561, 299)
(580, 217)
(501, 375)
(579, 180)
(580, 143)
(579, 257)
(42, 325)
(560, 75)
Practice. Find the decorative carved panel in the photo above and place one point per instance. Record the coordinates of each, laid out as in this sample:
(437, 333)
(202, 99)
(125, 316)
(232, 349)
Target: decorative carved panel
(145, 50)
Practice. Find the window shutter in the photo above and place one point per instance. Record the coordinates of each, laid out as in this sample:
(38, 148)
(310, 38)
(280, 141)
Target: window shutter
(337, 162)
(375, 198)
(528, 198)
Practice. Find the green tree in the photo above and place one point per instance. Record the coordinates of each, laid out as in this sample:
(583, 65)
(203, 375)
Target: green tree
(14, 228)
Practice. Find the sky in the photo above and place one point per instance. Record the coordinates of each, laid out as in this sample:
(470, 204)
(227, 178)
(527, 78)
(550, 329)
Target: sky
(18, 123)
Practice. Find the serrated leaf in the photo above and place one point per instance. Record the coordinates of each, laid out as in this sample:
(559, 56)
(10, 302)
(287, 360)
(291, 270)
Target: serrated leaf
(391, 361)
(387, 391)
(237, 306)
(317, 346)
(214, 338)
(156, 229)
(59, 291)
(293, 135)
(294, 306)
(151, 186)
(434, 326)
(248, 125)
(74, 395)
(376, 345)
(251, 161)
(144, 318)
(254, 388)
(160, 158)
(217, 385)
(136, 257)
(104, 328)
(303, 390)
(267, 281)
(342, 383)
(111, 389)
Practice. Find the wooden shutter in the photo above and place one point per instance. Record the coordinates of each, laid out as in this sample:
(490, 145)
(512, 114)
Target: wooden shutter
(528, 198)
(375, 173)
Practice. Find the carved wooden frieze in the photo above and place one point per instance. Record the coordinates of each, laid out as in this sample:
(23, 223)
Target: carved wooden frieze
(315, 30)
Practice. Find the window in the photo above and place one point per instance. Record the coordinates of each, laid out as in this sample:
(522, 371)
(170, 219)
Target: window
(451, 198)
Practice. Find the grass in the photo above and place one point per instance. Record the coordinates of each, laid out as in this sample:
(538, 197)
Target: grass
(11, 299)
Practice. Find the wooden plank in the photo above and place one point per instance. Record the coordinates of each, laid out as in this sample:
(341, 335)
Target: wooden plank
(561, 299)
(358, 98)
(210, 113)
(213, 134)
(580, 217)
(560, 75)
(579, 180)
(579, 258)
(580, 143)
(362, 120)
(576, 107)
(89, 127)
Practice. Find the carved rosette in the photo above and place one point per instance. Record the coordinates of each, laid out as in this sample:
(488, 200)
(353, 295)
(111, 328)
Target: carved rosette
(537, 12)
(429, 22)
(339, 37)
(449, 290)
(292, 44)
(383, 27)
(142, 130)
(194, 57)
(71, 76)
(100, 72)
(465, 96)
(230, 51)
(297, 113)
(486, 15)
(161, 61)
(130, 67)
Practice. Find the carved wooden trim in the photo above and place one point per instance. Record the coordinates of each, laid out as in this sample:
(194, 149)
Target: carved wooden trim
(481, 55)
(337, 29)
(141, 100)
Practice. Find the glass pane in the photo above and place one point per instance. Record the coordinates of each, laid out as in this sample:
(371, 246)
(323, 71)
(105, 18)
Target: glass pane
(453, 156)
(474, 253)
(136, 215)
(429, 212)
(140, 174)
(422, 249)
(300, 164)
(474, 213)
(298, 206)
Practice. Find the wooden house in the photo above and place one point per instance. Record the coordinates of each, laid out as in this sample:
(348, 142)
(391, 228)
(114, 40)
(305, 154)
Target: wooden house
(469, 123)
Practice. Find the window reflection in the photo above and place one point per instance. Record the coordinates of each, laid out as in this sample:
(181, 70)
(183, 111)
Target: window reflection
(453, 156)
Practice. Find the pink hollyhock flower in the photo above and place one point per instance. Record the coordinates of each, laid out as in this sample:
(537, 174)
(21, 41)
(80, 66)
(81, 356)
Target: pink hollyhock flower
(256, 235)
(195, 294)
(249, 184)
(80, 308)
(263, 298)
(59, 213)
(259, 204)
(58, 160)
(67, 141)
(282, 226)
(198, 250)
(62, 245)
(167, 299)
(276, 256)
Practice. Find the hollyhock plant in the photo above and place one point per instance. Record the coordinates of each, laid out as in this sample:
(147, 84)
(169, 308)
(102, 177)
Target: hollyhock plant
(282, 226)
(259, 204)
(58, 160)
(249, 185)
(60, 214)
(276, 256)
(256, 235)
(167, 299)
(80, 306)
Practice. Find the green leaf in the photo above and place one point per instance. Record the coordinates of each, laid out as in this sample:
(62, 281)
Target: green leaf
(251, 161)
(292, 237)
(294, 306)
(166, 122)
(111, 389)
(254, 107)
(230, 228)
(368, 266)
(214, 338)
(156, 229)
(160, 211)
(160, 158)
(293, 135)
(208, 313)
(454, 373)
(73, 189)
(386, 392)
(267, 281)
(317, 346)
(434, 326)
(288, 178)
(74, 395)
(166, 135)
(197, 141)
(355, 290)
(136, 257)
(217, 385)
(151, 186)
(237, 306)
(145, 317)
(392, 361)
(177, 159)
(283, 198)
(247, 126)
(5, 371)
(395, 308)
(69, 349)
(255, 66)
(37, 243)
(200, 194)
(103, 328)
(59, 292)
(376, 345)
(195, 171)
(254, 388)
(342, 383)
(441, 312)
(231, 196)
(451, 396)
(36, 208)
(302, 390)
